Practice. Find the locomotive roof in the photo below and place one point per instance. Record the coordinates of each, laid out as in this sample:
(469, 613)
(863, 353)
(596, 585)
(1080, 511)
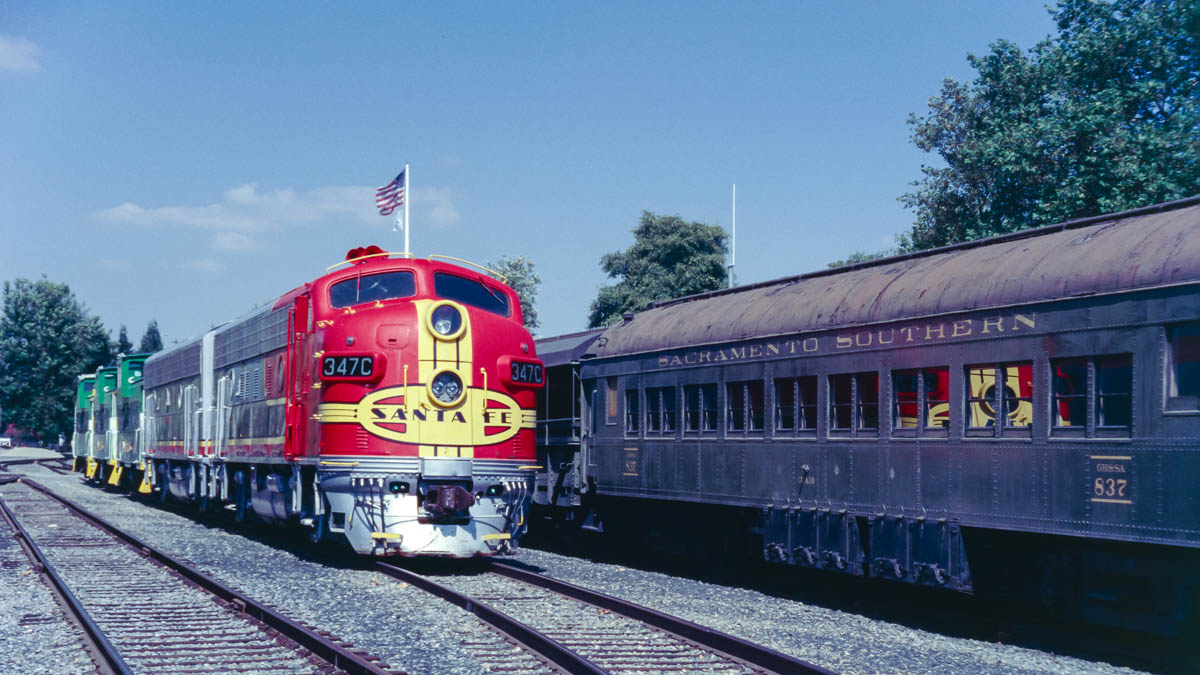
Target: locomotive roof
(1153, 246)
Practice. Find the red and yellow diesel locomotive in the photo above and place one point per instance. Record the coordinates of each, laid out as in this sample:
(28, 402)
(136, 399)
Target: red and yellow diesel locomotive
(389, 402)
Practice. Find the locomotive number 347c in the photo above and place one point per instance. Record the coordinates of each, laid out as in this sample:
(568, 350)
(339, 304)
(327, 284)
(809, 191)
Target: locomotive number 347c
(526, 373)
(347, 366)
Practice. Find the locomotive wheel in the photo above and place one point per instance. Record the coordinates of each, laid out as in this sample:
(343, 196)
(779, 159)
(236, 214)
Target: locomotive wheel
(164, 483)
(320, 530)
(241, 497)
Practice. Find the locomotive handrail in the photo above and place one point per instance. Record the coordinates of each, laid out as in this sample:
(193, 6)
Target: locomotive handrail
(503, 279)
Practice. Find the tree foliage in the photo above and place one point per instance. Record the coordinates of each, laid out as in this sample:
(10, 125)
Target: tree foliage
(670, 258)
(151, 340)
(1103, 117)
(46, 340)
(860, 256)
(123, 345)
(522, 279)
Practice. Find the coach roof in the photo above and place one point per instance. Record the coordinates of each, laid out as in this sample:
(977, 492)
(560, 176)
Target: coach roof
(1143, 248)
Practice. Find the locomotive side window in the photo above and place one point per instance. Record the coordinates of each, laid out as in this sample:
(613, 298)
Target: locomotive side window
(700, 408)
(631, 412)
(372, 287)
(661, 410)
(1007, 387)
(1183, 367)
(854, 404)
(471, 292)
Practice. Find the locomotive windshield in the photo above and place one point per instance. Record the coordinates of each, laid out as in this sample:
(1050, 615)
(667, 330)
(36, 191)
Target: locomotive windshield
(471, 292)
(371, 288)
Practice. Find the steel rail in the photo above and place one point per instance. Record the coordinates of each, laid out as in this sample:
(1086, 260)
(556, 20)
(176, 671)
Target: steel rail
(710, 638)
(335, 654)
(95, 637)
(528, 636)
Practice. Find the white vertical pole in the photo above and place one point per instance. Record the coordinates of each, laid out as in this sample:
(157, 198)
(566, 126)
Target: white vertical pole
(733, 245)
(407, 199)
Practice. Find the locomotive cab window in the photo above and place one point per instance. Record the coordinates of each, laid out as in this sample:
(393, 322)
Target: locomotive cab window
(1008, 388)
(372, 287)
(854, 404)
(1183, 367)
(471, 292)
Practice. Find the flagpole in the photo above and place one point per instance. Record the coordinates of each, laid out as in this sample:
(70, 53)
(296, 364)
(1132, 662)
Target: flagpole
(407, 199)
(733, 246)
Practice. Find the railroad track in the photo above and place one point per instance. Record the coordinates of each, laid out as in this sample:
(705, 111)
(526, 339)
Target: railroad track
(582, 631)
(143, 611)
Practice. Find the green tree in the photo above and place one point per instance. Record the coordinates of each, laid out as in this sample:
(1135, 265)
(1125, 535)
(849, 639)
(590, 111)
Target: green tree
(151, 340)
(123, 346)
(522, 279)
(1105, 116)
(860, 256)
(46, 340)
(670, 258)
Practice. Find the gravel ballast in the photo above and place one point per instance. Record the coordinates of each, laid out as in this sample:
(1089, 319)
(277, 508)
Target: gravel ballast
(417, 633)
(35, 634)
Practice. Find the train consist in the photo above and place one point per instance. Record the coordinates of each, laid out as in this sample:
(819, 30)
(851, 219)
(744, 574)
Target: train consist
(389, 402)
(1019, 414)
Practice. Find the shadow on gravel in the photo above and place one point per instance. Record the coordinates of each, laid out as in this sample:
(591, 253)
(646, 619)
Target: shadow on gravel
(944, 612)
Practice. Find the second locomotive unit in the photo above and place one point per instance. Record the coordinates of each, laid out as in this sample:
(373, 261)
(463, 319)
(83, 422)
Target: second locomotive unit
(389, 402)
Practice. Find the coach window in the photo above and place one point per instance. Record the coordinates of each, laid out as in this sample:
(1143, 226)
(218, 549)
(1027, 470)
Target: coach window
(700, 408)
(631, 412)
(744, 406)
(1070, 397)
(1183, 367)
(1008, 388)
(796, 405)
(611, 414)
(921, 402)
(1107, 411)
(660, 410)
(854, 404)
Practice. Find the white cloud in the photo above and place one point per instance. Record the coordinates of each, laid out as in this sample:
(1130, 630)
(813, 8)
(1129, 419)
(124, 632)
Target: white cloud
(234, 241)
(244, 213)
(18, 54)
(442, 211)
(207, 265)
(114, 265)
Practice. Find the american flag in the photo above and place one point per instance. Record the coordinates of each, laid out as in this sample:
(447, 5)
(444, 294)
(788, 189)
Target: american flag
(391, 196)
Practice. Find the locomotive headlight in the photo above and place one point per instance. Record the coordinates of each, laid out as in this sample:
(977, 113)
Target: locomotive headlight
(446, 321)
(446, 388)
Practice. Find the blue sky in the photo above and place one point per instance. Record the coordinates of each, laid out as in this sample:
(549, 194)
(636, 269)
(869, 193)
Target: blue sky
(189, 161)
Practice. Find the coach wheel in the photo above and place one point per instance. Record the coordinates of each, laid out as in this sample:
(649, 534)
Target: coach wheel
(241, 497)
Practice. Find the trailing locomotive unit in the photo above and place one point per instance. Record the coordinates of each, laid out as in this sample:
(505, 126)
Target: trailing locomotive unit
(102, 404)
(389, 401)
(81, 438)
(849, 417)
